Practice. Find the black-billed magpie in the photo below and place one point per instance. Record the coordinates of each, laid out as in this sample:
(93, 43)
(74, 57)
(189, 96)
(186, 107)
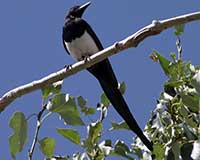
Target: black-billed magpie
(80, 41)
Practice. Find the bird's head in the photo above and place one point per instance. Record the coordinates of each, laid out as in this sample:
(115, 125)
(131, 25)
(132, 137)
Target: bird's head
(77, 11)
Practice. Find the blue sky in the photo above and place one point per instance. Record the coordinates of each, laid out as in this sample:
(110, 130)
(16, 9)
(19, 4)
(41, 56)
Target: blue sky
(31, 47)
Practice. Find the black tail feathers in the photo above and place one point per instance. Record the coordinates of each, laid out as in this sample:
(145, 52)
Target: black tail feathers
(104, 73)
(118, 102)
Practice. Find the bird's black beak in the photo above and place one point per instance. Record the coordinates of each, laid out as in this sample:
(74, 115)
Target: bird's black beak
(82, 8)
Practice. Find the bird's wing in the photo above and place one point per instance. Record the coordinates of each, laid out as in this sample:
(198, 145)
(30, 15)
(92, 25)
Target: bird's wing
(103, 70)
(65, 46)
(93, 35)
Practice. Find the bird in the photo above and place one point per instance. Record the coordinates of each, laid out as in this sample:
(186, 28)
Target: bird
(80, 41)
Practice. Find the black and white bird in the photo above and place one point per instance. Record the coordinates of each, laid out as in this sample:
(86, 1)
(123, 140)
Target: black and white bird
(80, 41)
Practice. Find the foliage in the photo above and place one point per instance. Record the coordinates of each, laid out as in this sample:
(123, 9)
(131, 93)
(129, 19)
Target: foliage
(174, 126)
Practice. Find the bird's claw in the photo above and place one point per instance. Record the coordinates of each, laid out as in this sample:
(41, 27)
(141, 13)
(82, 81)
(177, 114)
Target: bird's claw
(68, 66)
(86, 58)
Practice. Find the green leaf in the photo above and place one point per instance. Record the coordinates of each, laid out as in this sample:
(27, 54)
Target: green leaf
(191, 101)
(186, 150)
(176, 150)
(121, 149)
(65, 106)
(19, 125)
(179, 29)
(163, 62)
(92, 138)
(158, 151)
(94, 130)
(70, 134)
(88, 145)
(83, 105)
(99, 156)
(188, 132)
(173, 55)
(81, 102)
(52, 88)
(89, 111)
(191, 121)
(47, 146)
(178, 70)
(122, 87)
(121, 125)
(183, 111)
(197, 67)
(104, 100)
(46, 91)
(174, 83)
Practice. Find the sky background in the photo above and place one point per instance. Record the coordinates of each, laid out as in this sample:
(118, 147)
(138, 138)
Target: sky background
(31, 48)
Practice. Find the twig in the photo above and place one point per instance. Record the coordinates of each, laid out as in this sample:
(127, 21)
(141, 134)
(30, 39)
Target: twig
(179, 47)
(132, 41)
(30, 116)
(39, 122)
(45, 117)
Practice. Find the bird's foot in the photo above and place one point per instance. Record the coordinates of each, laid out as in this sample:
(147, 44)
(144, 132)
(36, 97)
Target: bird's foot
(86, 58)
(68, 66)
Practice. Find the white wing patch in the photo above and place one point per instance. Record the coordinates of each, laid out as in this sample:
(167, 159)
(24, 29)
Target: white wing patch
(81, 47)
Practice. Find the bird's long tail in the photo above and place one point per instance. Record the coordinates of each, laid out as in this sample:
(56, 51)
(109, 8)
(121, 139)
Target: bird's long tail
(104, 73)
(120, 105)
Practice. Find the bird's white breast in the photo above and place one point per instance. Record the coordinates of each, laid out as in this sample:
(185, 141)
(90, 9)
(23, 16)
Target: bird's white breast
(81, 47)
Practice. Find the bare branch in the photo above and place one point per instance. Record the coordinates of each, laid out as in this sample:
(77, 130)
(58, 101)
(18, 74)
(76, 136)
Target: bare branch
(132, 41)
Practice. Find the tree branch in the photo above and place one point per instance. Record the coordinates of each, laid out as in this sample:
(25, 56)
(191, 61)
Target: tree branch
(132, 41)
(39, 123)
